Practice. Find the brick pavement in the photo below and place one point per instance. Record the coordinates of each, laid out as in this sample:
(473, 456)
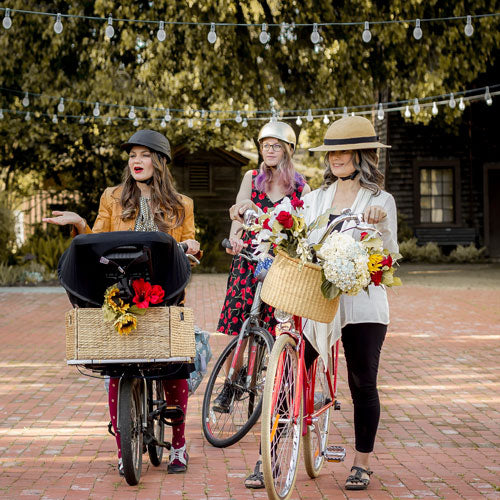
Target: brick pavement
(439, 434)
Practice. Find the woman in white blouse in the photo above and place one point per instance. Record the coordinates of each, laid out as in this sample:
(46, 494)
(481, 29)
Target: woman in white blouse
(352, 180)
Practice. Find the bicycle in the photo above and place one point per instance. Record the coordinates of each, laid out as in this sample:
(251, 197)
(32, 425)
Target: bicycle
(285, 417)
(243, 383)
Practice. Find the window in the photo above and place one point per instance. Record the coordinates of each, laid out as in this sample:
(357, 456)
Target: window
(437, 195)
(199, 178)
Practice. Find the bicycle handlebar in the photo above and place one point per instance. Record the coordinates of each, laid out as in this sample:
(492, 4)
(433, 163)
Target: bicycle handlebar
(244, 253)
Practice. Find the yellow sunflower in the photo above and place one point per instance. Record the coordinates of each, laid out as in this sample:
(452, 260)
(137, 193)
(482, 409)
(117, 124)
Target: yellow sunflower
(114, 302)
(125, 323)
(374, 262)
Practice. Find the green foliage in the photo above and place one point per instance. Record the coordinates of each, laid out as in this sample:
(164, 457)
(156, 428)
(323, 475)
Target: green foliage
(467, 254)
(31, 273)
(46, 246)
(412, 252)
(405, 232)
(7, 234)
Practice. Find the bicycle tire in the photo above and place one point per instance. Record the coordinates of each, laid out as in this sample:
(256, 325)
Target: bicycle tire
(284, 442)
(130, 420)
(155, 389)
(314, 445)
(225, 429)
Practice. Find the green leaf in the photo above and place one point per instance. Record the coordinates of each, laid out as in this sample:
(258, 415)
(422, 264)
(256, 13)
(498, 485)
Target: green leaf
(329, 290)
(108, 314)
(137, 310)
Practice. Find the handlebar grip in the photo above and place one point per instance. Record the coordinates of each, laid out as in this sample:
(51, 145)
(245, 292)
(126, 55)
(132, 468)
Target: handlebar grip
(184, 247)
(226, 243)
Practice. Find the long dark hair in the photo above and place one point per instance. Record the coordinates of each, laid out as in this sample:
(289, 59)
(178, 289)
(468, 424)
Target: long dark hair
(370, 176)
(166, 203)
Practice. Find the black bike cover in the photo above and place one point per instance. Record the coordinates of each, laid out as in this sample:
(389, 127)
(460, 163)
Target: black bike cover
(86, 278)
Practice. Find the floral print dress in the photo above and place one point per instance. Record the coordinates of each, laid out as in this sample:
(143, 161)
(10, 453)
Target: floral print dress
(241, 283)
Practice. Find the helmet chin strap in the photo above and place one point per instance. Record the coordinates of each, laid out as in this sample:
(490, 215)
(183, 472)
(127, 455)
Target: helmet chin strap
(350, 177)
(147, 181)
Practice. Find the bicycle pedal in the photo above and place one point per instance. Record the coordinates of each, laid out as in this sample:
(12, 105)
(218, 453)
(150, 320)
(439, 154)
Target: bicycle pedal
(334, 454)
(336, 405)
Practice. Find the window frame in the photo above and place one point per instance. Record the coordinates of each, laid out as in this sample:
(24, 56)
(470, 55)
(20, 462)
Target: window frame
(419, 165)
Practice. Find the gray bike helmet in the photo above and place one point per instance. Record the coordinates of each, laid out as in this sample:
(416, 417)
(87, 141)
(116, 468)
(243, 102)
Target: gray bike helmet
(152, 140)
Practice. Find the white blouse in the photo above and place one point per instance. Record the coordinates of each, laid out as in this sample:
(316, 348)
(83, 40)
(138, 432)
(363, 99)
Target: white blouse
(364, 307)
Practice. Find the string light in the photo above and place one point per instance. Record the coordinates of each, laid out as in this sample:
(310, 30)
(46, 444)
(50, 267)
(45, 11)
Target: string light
(407, 112)
(416, 106)
(110, 31)
(469, 29)
(309, 116)
(380, 112)
(212, 35)
(54, 118)
(1, 114)
(238, 118)
(461, 104)
(131, 113)
(136, 122)
(487, 97)
(58, 26)
(7, 21)
(298, 121)
(26, 100)
(82, 120)
(167, 116)
(217, 123)
(163, 123)
(434, 108)
(96, 112)
(108, 120)
(264, 36)
(315, 38)
(417, 32)
(326, 121)
(60, 106)
(190, 123)
(367, 34)
(452, 103)
(27, 117)
(160, 34)
(244, 123)
(344, 114)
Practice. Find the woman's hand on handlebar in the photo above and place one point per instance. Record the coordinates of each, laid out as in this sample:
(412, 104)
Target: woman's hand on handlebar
(237, 245)
(237, 211)
(193, 247)
(374, 214)
(63, 218)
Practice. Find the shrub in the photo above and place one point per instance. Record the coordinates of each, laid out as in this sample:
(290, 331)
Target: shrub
(411, 252)
(7, 232)
(31, 273)
(467, 254)
(404, 230)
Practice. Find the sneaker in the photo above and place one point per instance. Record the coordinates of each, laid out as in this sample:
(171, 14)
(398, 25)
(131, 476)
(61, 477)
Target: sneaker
(120, 467)
(223, 401)
(178, 460)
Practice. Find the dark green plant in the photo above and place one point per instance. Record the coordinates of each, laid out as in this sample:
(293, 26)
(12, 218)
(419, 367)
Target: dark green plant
(7, 233)
(405, 232)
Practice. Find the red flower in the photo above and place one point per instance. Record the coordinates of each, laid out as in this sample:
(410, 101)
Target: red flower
(387, 261)
(285, 219)
(296, 202)
(364, 234)
(265, 224)
(265, 210)
(157, 294)
(142, 291)
(377, 277)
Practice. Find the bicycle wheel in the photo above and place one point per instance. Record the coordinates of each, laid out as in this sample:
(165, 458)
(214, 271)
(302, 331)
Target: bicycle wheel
(224, 428)
(155, 398)
(316, 437)
(280, 436)
(130, 418)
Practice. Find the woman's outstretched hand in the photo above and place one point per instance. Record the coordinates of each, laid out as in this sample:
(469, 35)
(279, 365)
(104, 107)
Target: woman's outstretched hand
(237, 211)
(63, 218)
(193, 247)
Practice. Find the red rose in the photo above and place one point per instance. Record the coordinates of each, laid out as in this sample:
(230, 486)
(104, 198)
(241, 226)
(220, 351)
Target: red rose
(376, 277)
(265, 224)
(387, 261)
(364, 234)
(296, 202)
(142, 291)
(285, 219)
(157, 294)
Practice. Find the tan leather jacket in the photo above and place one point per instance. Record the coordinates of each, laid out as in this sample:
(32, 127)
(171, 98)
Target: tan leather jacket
(110, 212)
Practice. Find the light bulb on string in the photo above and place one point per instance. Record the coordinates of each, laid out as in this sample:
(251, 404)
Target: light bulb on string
(163, 123)
(344, 114)
(380, 112)
(131, 113)
(217, 123)
(434, 109)
(326, 120)
(136, 122)
(315, 37)
(367, 34)
(60, 106)
(309, 116)
(452, 103)
(264, 36)
(487, 97)
(160, 34)
(96, 111)
(469, 29)
(108, 120)
(407, 112)
(1, 114)
(353, 113)
(27, 117)
(167, 116)
(238, 118)
(58, 26)
(110, 31)
(417, 32)
(82, 120)
(54, 118)
(244, 123)
(26, 100)
(190, 123)
(461, 104)
(212, 35)
(298, 121)
(416, 106)
(7, 20)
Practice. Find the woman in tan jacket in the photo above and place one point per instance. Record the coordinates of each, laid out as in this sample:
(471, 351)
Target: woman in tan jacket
(146, 200)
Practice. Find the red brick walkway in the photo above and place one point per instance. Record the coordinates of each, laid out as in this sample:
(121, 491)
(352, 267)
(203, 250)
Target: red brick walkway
(439, 435)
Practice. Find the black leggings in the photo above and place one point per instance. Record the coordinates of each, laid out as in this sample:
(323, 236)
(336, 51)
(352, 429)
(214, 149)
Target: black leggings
(362, 345)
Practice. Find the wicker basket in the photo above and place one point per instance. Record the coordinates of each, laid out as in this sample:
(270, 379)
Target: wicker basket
(163, 332)
(297, 289)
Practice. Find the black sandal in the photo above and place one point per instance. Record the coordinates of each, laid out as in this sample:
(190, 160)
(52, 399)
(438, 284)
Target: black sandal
(356, 481)
(256, 476)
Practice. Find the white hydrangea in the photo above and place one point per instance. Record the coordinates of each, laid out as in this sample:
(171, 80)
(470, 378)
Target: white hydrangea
(345, 263)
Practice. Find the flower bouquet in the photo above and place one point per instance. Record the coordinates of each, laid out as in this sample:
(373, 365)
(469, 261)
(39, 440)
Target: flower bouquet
(122, 314)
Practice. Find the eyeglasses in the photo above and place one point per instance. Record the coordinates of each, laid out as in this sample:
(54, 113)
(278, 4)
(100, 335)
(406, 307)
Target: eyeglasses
(275, 147)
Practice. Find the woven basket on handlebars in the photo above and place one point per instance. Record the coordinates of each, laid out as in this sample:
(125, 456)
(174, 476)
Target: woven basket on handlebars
(296, 289)
(162, 332)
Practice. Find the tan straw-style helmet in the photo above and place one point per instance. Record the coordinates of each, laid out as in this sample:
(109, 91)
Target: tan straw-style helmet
(279, 130)
(351, 132)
